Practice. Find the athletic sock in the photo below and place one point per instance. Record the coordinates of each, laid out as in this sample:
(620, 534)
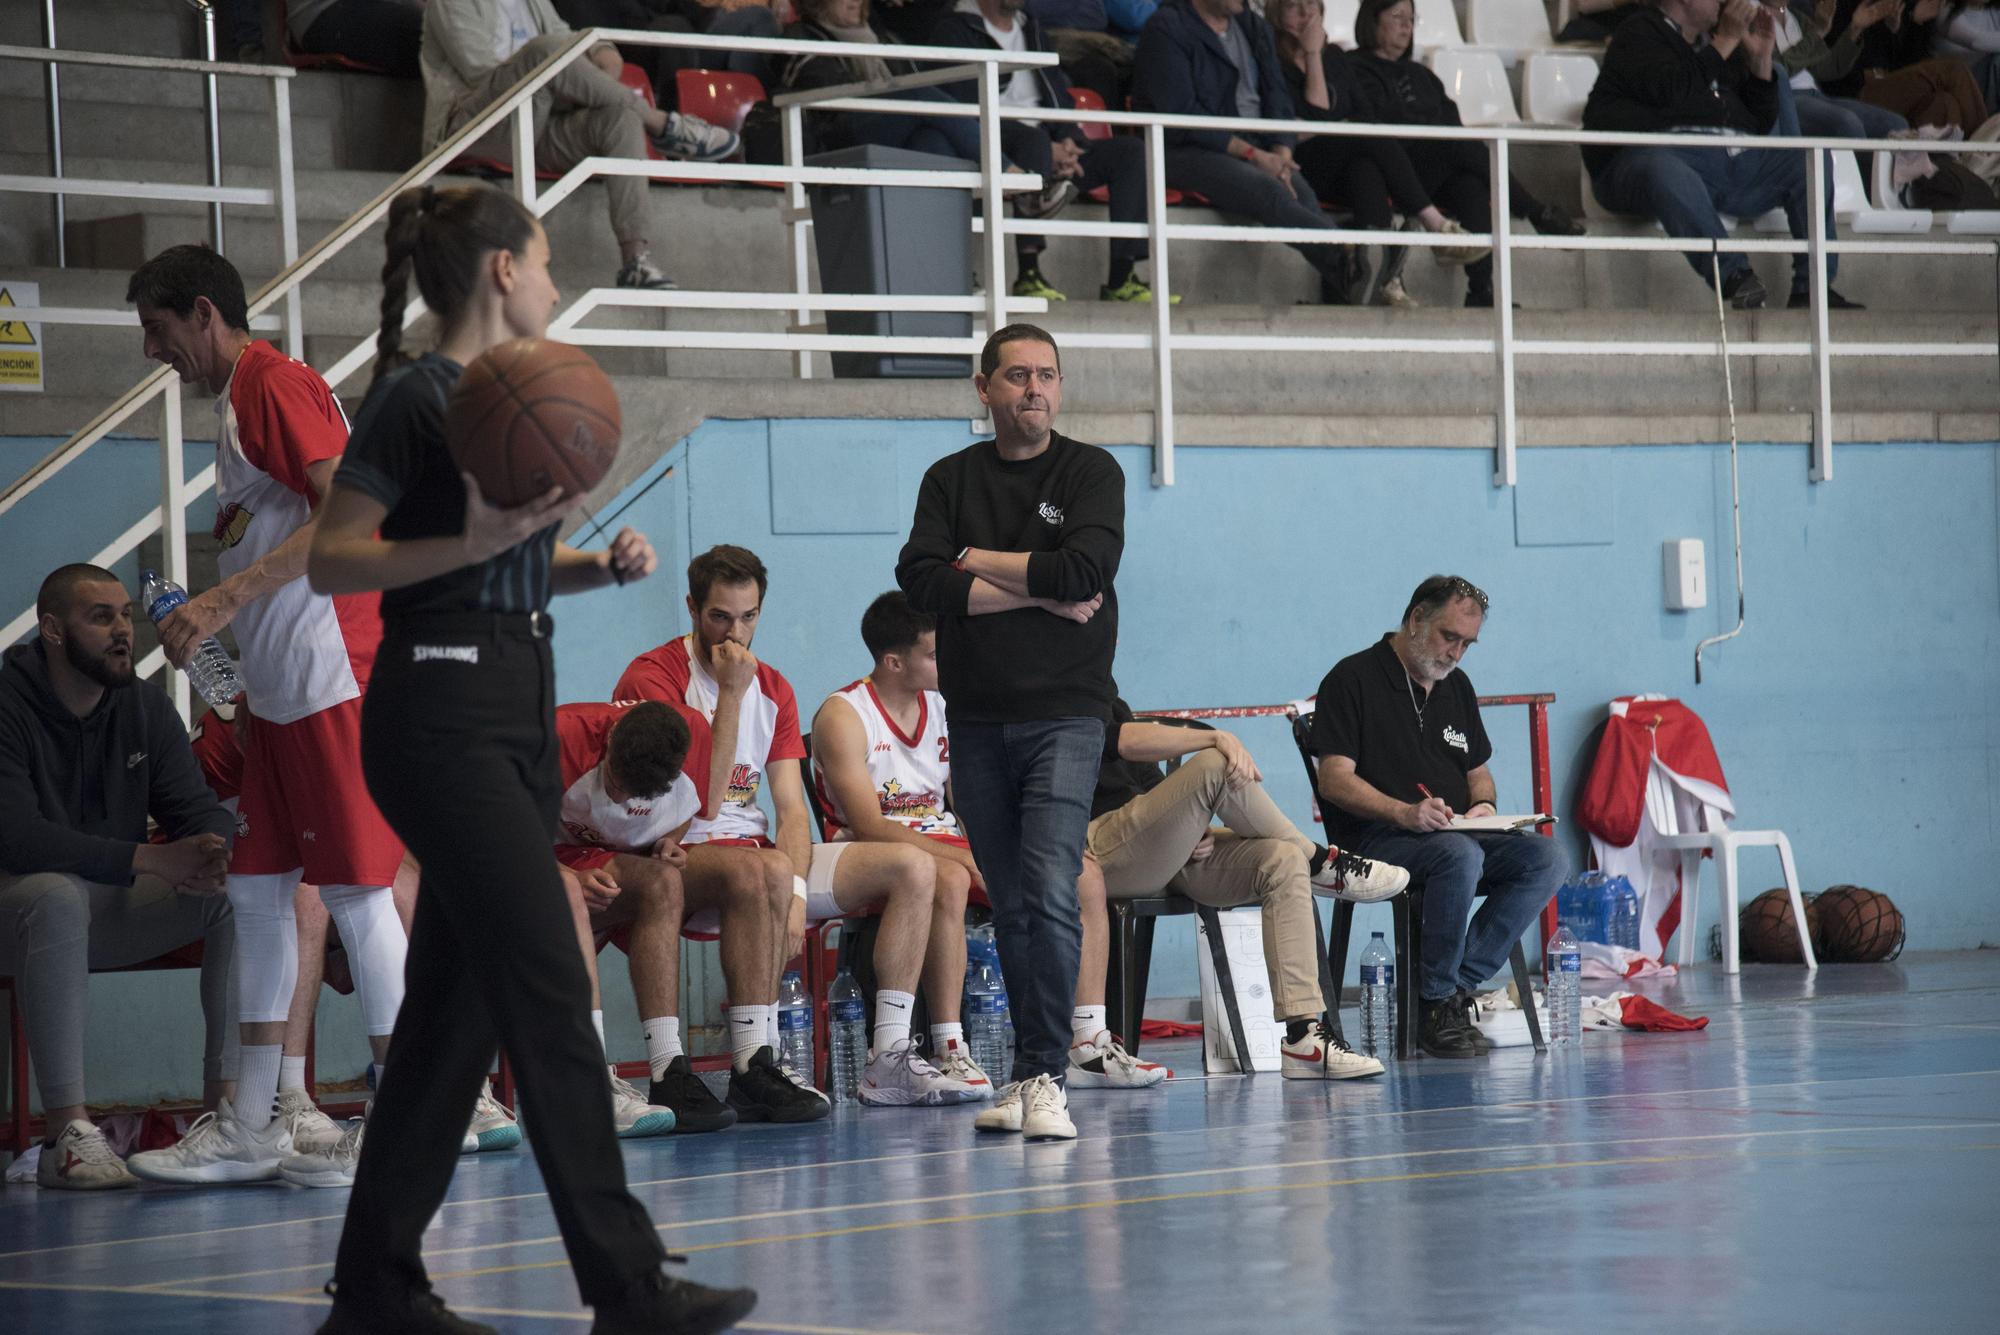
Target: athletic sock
(1320, 854)
(746, 1033)
(381, 1073)
(663, 1042)
(942, 1034)
(892, 1018)
(1296, 1029)
(1085, 1024)
(291, 1073)
(597, 1022)
(771, 1025)
(1120, 271)
(257, 1085)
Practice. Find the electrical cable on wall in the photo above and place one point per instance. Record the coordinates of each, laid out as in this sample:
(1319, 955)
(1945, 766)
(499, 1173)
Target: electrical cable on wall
(1735, 488)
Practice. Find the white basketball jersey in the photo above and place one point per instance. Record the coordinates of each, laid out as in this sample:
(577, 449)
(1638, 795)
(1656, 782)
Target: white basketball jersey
(909, 772)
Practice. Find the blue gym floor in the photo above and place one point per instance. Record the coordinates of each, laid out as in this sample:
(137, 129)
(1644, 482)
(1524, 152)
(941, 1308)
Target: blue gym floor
(1826, 1156)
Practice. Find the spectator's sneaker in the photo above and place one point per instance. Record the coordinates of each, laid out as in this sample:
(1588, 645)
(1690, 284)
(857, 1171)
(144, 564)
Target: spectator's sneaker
(412, 1312)
(692, 139)
(1470, 1002)
(1323, 1055)
(633, 1117)
(1361, 880)
(901, 1078)
(1007, 1112)
(1050, 200)
(661, 1304)
(1047, 1115)
(955, 1061)
(1134, 290)
(218, 1148)
(1552, 220)
(766, 1092)
(1800, 300)
(694, 1105)
(1103, 1063)
(1452, 257)
(312, 1130)
(332, 1166)
(641, 272)
(493, 1127)
(1393, 294)
(1030, 283)
(81, 1160)
(1443, 1030)
(1744, 290)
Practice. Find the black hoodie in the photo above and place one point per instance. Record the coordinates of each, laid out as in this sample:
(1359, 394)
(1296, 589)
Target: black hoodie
(75, 792)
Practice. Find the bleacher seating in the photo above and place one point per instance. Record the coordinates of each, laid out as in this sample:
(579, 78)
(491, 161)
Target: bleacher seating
(1554, 87)
(1437, 25)
(1339, 20)
(1477, 81)
(1508, 25)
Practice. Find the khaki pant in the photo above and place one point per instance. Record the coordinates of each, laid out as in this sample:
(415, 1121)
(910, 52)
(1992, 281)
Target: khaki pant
(1260, 858)
(582, 112)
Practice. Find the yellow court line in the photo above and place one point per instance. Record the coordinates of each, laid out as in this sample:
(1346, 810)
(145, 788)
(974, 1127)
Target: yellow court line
(1290, 1165)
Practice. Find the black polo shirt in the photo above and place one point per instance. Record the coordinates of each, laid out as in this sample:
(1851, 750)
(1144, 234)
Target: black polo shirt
(1119, 780)
(1371, 712)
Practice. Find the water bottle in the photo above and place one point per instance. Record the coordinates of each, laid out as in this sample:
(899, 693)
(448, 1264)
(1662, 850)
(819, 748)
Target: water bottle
(795, 1026)
(210, 671)
(847, 1027)
(1564, 990)
(985, 1005)
(1378, 999)
(1625, 920)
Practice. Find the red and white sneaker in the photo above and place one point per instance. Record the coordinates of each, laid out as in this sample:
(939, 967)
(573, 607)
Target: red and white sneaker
(1362, 880)
(955, 1060)
(1322, 1055)
(1103, 1063)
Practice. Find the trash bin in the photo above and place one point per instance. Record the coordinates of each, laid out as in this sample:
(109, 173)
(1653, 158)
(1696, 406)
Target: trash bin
(894, 240)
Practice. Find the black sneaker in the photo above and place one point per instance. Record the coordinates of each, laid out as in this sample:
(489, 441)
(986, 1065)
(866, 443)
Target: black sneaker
(1800, 300)
(762, 1092)
(412, 1312)
(1553, 220)
(1744, 290)
(681, 1306)
(1443, 1030)
(1471, 1004)
(694, 1105)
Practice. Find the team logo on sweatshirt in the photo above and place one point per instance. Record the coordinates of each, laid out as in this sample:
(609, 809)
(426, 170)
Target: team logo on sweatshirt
(1050, 513)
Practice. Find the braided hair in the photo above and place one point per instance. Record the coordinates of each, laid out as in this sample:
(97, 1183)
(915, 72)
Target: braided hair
(439, 237)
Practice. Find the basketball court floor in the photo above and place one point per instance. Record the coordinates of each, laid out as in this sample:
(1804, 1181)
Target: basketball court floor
(1825, 1157)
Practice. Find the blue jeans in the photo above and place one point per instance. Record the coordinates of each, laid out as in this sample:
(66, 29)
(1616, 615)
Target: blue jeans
(1023, 791)
(947, 136)
(1518, 873)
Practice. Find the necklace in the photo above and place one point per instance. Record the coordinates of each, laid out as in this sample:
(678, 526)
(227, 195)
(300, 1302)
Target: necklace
(1416, 708)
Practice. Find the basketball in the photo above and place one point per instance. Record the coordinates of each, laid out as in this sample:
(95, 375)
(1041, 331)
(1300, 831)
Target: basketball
(1857, 925)
(532, 414)
(1767, 930)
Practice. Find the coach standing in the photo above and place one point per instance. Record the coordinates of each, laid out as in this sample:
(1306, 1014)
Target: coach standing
(1014, 549)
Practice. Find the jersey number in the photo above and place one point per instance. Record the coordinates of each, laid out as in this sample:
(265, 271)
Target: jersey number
(944, 749)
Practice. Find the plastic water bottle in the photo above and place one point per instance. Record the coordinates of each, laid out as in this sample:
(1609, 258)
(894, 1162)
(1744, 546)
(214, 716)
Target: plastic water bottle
(795, 1026)
(210, 671)
(985, 1006)
(1625, 914)
(1565, 990)
(1378, 999)
(847, 1026)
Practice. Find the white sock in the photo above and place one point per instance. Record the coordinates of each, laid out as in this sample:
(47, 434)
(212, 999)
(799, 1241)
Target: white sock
(942, 1034)
(892, 1018)
(257, 1084)
(663, 1042)
(1086, 1023)
(746, 1033)
(381, 1074)
(597, 1022)
(771, 1025)
(291, 1073)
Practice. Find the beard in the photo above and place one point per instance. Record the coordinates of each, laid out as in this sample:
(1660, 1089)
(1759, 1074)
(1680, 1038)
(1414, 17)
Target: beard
(107, 671)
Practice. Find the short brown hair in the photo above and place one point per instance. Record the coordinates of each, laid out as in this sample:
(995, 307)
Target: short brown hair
(725, 564)
(989, 356)
(58, 591)
(647, 747)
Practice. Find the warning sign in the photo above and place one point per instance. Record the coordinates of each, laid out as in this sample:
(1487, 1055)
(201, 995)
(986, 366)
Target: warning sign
(20, 342)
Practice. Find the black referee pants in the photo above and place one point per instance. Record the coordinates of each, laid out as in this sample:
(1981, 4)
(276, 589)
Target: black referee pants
(459, 749)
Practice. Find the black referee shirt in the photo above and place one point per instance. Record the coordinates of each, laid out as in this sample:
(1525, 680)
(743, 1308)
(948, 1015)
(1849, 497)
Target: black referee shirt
(396, 455)
(1371, 712)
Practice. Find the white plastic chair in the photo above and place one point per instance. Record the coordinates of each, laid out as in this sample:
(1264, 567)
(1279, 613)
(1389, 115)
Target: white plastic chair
(1437, 25)
(1724, 844)
(1508, 25)
(1339, 20)
(1478, 83)
(1554, 87)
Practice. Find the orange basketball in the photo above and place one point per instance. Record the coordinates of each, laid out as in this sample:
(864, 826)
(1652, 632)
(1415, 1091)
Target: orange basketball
(531, 414)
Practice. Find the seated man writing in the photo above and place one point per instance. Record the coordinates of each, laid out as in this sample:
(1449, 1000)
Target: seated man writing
(1400, 751)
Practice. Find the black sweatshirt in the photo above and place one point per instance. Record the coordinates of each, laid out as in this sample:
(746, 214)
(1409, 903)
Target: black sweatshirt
(1066, 507)
(1655, 80)
(75, 792)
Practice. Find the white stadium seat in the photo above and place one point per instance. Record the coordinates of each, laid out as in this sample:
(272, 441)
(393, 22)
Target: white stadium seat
(1437, 25)
(1478, 83)
(1507, 25)
(1339, 21)
(1554, 87)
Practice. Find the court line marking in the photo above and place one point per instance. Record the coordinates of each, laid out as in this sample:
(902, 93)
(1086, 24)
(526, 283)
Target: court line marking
(1178, 1175)
(1002, 1144)
(1903, 1024)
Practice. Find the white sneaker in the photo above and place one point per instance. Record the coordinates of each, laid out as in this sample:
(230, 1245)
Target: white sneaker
(1362, 880)
(218, 1148)
(956, 1063)
(1394, 295)
(312, 1130)
(1320, 1055)
(332, 1166)
(81, 1160)
(1047, 1117)
(1103, 1063)
(1006, 1114)
(692, 139)
(901, 1078)
(493, 1127)
(631, 1115)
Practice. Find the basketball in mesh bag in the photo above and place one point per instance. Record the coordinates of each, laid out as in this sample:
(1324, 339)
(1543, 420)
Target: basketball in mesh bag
(1857, 925)
(1767, 932)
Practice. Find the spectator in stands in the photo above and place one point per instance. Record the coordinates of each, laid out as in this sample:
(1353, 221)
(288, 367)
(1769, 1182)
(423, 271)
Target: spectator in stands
(241, 35)
(1217, 58)
(754, 18)
(1367, 176)
(1394, 89)
(475, 50)
(1152, 832)
(1970, 33)
(1094, 40)
(86, 755)
(1896, 68)
(1056, 149)
(1807, 58)
(1392, 792)
(387, 35)
(1705, 66)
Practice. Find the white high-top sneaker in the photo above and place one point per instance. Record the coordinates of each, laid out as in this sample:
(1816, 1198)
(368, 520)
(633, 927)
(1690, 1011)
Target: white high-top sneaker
(218, 1149)
(955, 1060)
(1103, 1063)
(631, 1115)
(312, 1130)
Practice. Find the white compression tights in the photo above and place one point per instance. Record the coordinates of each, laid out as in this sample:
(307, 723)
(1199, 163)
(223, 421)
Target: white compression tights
(267, 946)
(372, 931)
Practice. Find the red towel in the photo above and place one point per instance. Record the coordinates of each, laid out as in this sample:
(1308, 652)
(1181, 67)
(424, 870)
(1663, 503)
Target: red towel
(1655, 1018)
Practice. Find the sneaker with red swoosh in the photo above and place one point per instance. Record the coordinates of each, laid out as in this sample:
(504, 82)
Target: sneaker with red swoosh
(1321, 1054)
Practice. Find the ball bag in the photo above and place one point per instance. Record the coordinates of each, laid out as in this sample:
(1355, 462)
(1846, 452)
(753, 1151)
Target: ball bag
(1857, 925)
(1766, 932)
